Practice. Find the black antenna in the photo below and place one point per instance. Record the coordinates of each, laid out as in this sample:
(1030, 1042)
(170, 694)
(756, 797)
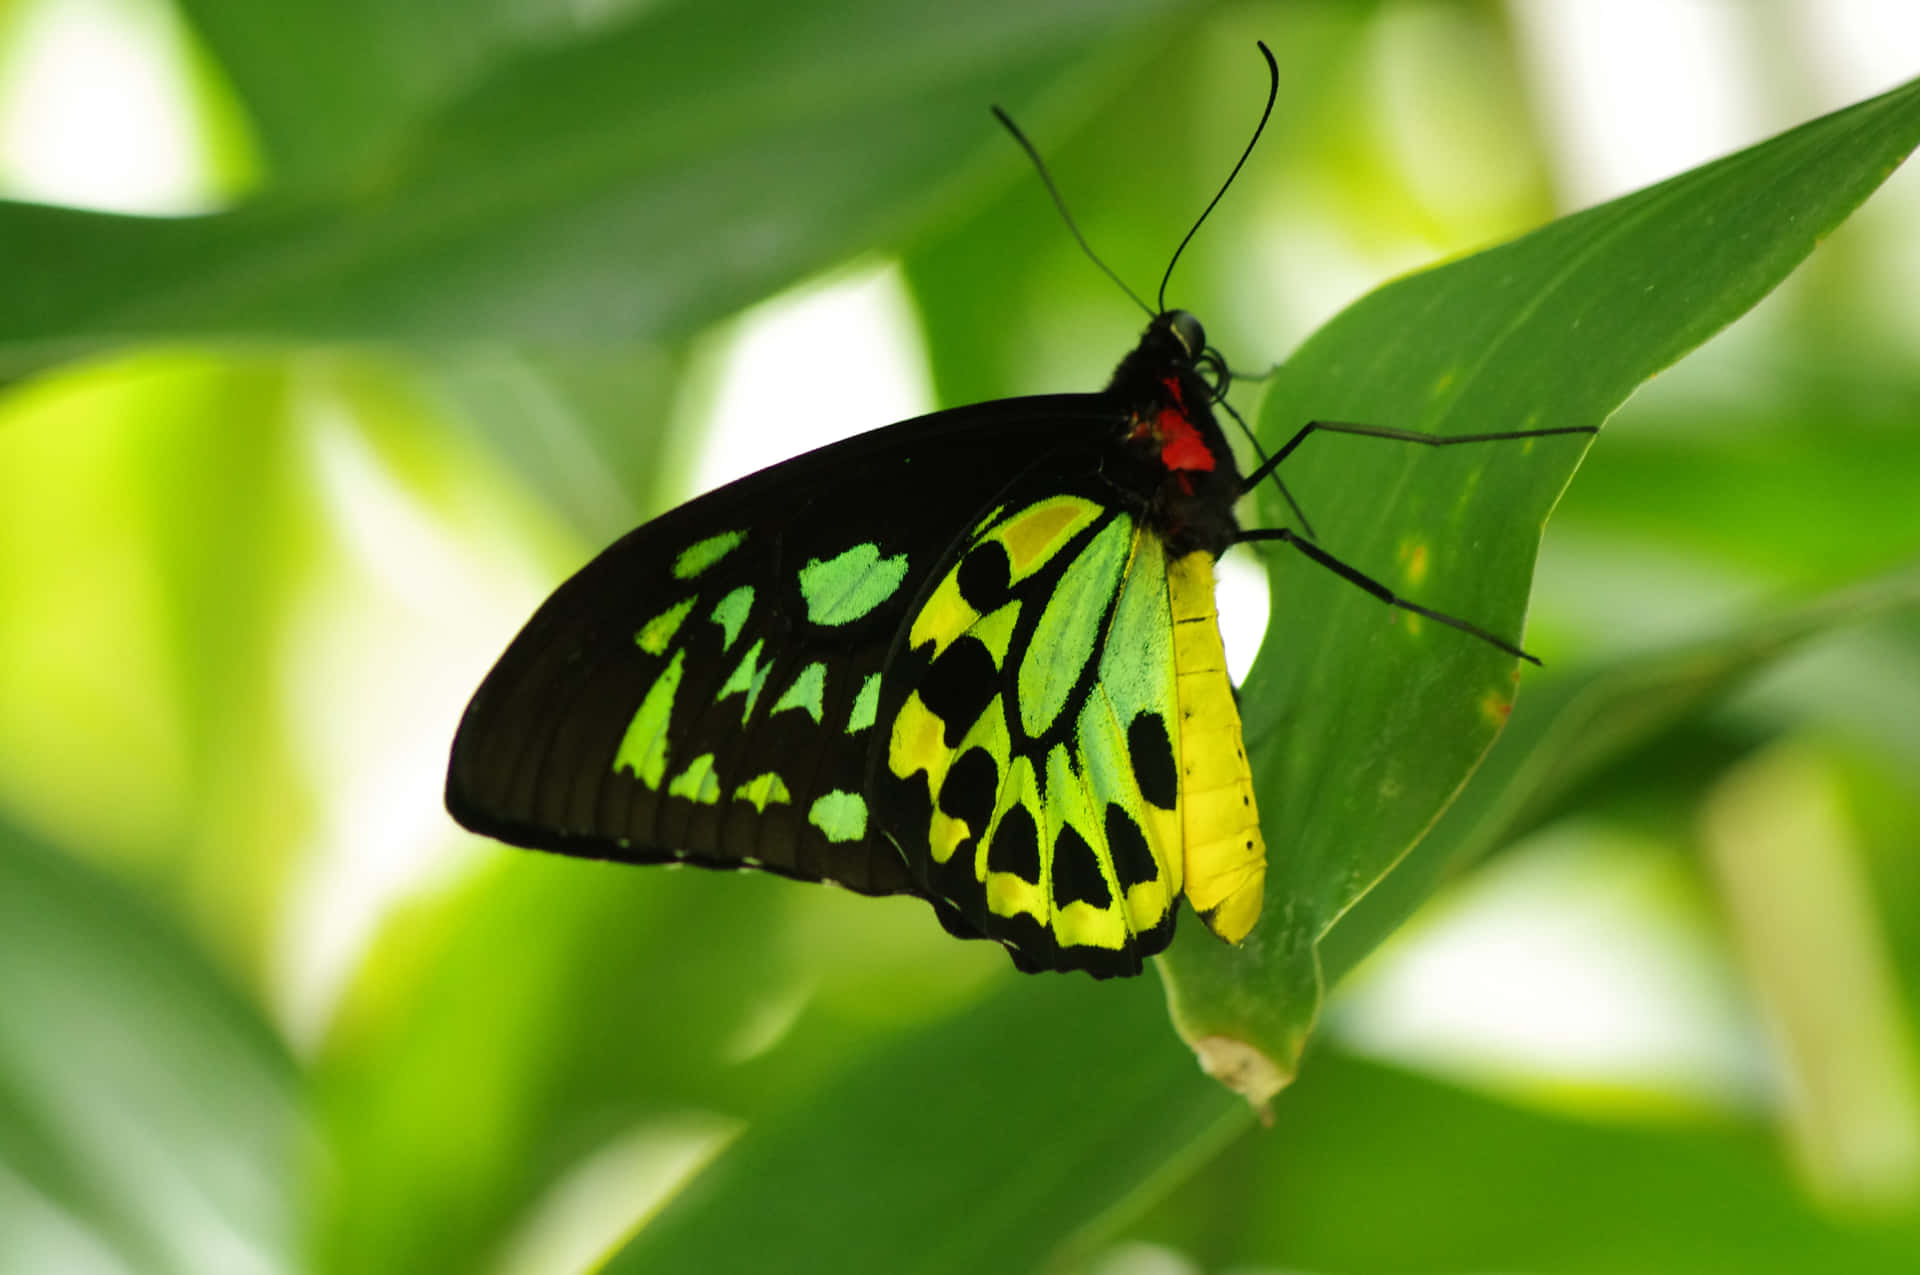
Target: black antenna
(1273, 94)
(1047, 179)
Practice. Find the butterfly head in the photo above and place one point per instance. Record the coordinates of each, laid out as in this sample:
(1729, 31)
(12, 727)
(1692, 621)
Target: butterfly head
(1185, 330)
(1175, 339)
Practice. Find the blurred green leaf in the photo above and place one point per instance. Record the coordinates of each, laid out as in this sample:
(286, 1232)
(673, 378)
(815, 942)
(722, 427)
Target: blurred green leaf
(168, 481)
(148, 1117)
(1570, 727)
(457, 1084)
(213, 450)
(584, 430)
(499, 1036)
(1362, 722)
(1802, 499)
(1886, 814)
(973, 1144)
(1042, 318)
(633, 183)
(330, 84)
(1371, 1171)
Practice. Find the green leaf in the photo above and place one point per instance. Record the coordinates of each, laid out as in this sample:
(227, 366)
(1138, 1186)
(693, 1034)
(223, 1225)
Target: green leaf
(1456, 1182)
(459, 1081)
(499, 1038)
(331, 85)
(154, 681)
(633, 183)
(973, 1144)
(212, 446)
(1570, 727)
(580, 429)
(1836, 491)
(1362, 722)
(147, 1114)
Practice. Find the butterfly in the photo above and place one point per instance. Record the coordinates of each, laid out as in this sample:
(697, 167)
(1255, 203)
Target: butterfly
(971, 657)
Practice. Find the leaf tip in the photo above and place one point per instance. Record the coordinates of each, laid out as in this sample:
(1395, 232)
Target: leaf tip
(1244, 1069)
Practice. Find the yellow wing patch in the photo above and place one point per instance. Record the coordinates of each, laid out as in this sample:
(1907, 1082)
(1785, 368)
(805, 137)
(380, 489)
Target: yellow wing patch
(1031, 538)
(1039, 531)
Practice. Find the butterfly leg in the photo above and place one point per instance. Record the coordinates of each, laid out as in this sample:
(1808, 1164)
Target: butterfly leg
(1266, 467)
(1272, 462)
(1355, 576)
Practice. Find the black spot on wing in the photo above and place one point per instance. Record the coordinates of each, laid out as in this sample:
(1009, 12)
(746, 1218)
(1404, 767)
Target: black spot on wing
(1132, 861)
(958, 687)
(984, 575)
(1015, 846)
(1151, 753)
(970, 788)
(1076, 872)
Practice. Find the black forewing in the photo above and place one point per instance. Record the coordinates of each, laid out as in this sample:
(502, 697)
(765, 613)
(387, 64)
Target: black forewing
(534, 760)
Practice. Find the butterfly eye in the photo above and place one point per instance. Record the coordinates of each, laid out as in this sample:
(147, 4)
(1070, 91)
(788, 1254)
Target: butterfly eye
(1187, 330)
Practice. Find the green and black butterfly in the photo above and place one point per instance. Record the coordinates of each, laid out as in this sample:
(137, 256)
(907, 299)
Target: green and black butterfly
(971, 657)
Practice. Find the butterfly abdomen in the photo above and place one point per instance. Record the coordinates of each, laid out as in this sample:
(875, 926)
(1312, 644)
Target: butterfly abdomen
(1226, 857)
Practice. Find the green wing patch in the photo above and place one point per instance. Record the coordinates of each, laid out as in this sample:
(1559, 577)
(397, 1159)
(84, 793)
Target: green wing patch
(842, 589)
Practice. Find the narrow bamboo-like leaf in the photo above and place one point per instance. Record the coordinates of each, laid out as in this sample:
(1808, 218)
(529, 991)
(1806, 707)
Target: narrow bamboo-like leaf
(974, 1144)
(1363, 721)
(330, 86)
(568, 426)
(1571, 726)
(1456, 1182)
(497, 1038)
(147, 1115)
(632, 183)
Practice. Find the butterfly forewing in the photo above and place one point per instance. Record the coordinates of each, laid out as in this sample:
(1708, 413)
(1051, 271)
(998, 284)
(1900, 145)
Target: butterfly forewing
(708, 688)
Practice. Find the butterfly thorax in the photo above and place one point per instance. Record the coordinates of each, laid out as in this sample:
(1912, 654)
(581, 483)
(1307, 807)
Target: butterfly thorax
(1182, 477)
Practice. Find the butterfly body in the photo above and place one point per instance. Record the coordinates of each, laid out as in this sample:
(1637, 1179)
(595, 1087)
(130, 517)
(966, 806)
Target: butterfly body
(971, 657)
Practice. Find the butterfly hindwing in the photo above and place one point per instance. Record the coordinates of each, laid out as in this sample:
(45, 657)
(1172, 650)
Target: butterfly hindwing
(1030, 771)
(707, 689)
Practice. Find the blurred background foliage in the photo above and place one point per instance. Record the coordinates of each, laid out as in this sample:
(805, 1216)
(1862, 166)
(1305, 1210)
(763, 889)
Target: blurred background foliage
(334, 334)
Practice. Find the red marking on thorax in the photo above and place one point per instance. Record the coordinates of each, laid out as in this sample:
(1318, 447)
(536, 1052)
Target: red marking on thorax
(1180, 445)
